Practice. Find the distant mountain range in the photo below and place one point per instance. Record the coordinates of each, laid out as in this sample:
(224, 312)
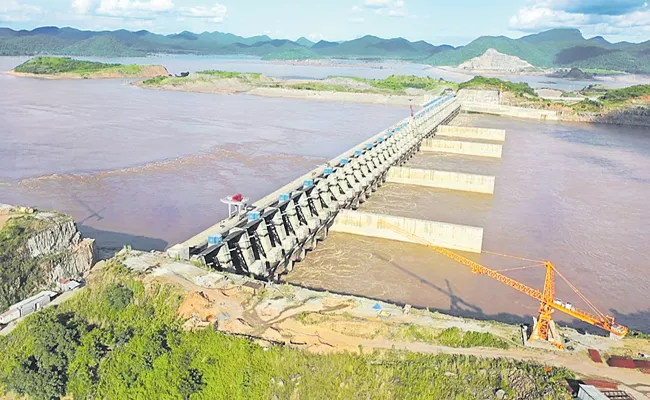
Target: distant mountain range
(554, 48)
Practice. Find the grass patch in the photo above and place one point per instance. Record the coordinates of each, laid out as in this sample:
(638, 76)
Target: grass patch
(454, 337)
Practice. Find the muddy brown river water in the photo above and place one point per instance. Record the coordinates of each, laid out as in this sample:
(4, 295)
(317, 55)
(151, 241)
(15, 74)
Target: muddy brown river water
(576, 195)
(147, 168)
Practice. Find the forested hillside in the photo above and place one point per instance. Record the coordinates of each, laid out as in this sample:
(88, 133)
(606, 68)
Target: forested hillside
(555, 48)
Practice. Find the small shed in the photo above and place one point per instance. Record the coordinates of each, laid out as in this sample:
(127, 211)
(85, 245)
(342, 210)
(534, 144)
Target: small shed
(588, 392)
(253, 288)
(68, 285)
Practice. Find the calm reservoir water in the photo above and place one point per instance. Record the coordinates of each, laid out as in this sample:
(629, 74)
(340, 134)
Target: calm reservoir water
(147, 168)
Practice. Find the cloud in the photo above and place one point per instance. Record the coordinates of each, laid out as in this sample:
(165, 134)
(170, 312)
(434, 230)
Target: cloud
(13, 11)
(391, 8)
(596, 17)
(594, 7)
(377, 3)
(148, 9)
(82, 6)
(214, 14)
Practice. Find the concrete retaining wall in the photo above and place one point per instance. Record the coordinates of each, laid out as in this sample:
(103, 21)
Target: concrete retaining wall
(442, 179)
(472, 133)
(509, 111)
(479, 96)
(451, 236)
(466, 148)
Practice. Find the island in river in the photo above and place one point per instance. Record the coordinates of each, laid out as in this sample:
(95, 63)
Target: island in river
(68, 68)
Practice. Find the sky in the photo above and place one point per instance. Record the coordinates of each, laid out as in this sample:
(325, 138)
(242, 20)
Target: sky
(436, 21)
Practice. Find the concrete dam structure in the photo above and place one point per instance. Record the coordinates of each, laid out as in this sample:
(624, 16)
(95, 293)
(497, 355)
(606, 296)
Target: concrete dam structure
(266, 238)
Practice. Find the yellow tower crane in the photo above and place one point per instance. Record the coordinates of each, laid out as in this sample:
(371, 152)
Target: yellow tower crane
(543, 328)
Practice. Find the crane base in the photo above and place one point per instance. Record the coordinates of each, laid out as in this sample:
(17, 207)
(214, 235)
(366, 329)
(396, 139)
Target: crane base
(553, 336)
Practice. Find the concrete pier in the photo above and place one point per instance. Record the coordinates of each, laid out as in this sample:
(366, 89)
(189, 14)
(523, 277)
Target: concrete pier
(442, 179)
(450, 236)
(498, 135)
(459, 147)
(510, 111)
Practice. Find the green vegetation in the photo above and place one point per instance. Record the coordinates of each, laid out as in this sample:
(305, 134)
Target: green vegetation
(554, 48)
(65, 65)
(120, 339)
(324, 87)
(454, 337)
(394, 84)
(602, 72)
(611, 99)
(403, 82)
(101, 46)
(60, 65)
(519, 89)
(637, 335)
(227, 75)
(587, 105)
(629, 93)
(19, 273)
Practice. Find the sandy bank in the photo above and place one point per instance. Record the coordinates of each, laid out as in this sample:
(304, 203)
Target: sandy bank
(146, 71)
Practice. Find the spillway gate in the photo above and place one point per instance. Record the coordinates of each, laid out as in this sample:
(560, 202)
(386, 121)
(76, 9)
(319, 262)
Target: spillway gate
(266, 238)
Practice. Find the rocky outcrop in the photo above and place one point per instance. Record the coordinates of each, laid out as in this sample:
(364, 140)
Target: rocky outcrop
(46, 247)
(73, 263)
(59, 235)
(492, 60)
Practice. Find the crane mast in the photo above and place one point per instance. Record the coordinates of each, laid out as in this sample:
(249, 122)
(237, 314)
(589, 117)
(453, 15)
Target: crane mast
(544, 328)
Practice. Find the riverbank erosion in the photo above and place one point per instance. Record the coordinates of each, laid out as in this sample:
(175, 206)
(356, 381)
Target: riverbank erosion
(67, 68)
(394, 90)
(37, 250)
(229, 336)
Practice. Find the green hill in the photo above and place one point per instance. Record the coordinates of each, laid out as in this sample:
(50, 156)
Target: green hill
(303, 41)
(374, 47)
(524, 50)
(101, 46)
(555, 48)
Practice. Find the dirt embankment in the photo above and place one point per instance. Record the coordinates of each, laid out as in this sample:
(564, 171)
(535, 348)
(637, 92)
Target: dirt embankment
(351, 90)
(321, 322)
(144, 72)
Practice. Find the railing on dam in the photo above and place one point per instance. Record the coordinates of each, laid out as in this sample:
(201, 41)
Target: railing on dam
(268, 237)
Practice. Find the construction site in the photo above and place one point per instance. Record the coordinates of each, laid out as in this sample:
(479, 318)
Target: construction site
(267, 240)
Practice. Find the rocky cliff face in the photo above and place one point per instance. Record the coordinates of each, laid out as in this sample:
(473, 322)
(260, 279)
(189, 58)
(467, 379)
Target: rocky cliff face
(492, 60)
(40, 249)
